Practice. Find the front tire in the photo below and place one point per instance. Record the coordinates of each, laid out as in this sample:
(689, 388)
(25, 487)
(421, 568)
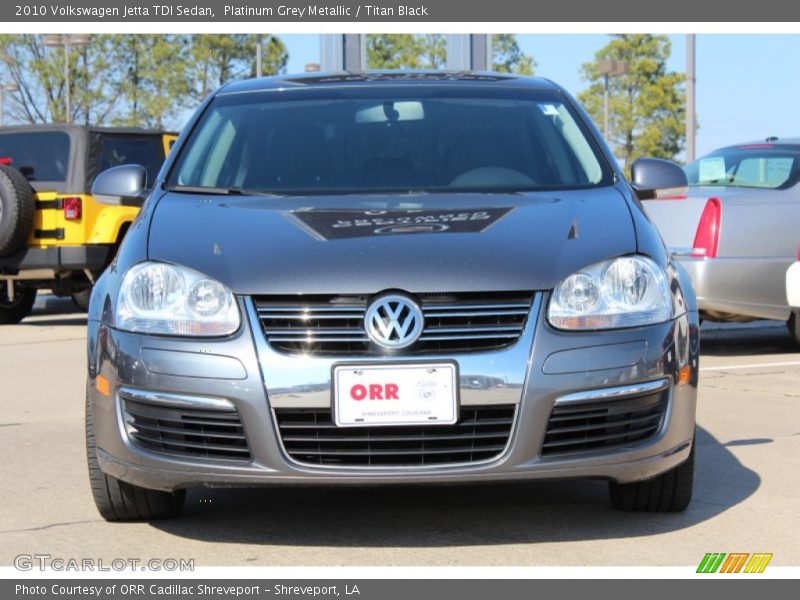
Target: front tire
(794, 327)
(669, 492)
(81, 299)
(121, 501)
(20, 306)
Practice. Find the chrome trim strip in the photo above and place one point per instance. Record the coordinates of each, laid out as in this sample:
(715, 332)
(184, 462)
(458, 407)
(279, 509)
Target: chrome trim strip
(176, 400)
(306, 338)
(310, 309)
(299, 332)
(436, 333)
(310, 332)
(477, 336)
(310, 315)
(443, 314)
(614, 393)
(432, 307)
(486, 328)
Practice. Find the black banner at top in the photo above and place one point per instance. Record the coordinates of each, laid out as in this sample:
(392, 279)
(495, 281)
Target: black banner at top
(385, 11)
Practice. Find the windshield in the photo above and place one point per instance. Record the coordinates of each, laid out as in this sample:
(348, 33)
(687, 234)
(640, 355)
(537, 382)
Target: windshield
(753, 166)
(40, 156)
(388, 141)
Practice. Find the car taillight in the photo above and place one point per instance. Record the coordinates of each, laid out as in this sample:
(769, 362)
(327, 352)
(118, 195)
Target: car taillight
(6, 160)
(706, 240)
(798, 253)
(72, 208)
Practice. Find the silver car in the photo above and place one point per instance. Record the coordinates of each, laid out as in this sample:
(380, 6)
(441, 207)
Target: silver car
(735, 232)
(390, 278)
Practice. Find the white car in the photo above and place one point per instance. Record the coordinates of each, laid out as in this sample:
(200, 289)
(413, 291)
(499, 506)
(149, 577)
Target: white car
(793, 293)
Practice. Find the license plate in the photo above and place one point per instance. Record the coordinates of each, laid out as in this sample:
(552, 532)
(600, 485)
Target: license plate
(399, 394)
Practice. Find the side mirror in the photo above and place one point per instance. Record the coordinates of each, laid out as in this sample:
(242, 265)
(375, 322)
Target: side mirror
(125, 185)
(653, 178)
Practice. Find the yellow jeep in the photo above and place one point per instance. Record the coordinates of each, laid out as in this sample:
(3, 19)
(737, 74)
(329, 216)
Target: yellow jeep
(53, 234)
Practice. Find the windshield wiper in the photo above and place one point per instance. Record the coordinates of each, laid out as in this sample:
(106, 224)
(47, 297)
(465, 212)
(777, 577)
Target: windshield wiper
(219, 191)
(200, 189)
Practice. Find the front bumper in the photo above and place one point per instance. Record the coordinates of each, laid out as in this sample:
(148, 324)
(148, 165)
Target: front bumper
(552, 364)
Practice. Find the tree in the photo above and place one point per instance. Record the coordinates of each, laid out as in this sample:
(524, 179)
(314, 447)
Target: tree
(153, 78)
(133, 80)
(429, 51)
(646, 104)
(393, 51)
(507, 57)
(94, 89)
(432, 51)
(274, 55)
(219, 59)
(39, 73)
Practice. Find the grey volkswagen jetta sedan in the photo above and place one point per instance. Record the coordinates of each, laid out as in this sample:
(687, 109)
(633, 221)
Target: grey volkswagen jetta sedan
(390, 278)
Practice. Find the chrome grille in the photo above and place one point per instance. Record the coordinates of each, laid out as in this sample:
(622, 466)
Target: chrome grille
(600, 425)
(177, 431)
(334, 325)
(310, 436)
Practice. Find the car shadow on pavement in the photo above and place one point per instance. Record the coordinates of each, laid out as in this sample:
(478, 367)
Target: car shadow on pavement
(440, 516)
(746, 339)
(53, 311)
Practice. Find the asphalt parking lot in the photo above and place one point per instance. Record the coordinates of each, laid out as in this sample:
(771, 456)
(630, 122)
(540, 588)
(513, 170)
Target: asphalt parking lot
(747, 482)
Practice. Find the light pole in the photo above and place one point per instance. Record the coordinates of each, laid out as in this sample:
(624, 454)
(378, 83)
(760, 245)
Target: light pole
(259, 56)
(608, 68)
(691, 78)
(66, 41)
(5, 87)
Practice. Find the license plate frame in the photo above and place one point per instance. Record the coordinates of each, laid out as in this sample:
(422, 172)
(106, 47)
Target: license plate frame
(444, 412)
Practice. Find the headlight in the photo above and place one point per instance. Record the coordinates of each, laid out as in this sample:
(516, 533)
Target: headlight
(171, 300)
(623, 292)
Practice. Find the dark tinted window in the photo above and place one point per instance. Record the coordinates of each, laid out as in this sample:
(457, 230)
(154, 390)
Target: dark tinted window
(147, 151)
(753, 166)
(40, 156)
(395, 141)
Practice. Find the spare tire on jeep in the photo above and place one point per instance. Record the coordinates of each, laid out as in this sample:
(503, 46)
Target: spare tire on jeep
(17, 204)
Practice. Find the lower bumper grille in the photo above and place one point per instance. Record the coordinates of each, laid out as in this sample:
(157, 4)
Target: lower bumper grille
(195, 433)
(600, 425)
(310, 436)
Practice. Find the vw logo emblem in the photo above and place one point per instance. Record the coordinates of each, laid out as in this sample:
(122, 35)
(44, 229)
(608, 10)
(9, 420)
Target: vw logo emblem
(394, 321)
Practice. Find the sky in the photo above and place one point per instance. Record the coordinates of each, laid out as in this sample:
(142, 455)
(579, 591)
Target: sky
(747, 85)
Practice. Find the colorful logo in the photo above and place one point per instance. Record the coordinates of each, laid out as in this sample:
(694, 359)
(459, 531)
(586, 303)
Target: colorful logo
(734, 562)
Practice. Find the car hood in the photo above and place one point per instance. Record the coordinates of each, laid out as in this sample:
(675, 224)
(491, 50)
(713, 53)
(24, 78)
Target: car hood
(362, 244)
